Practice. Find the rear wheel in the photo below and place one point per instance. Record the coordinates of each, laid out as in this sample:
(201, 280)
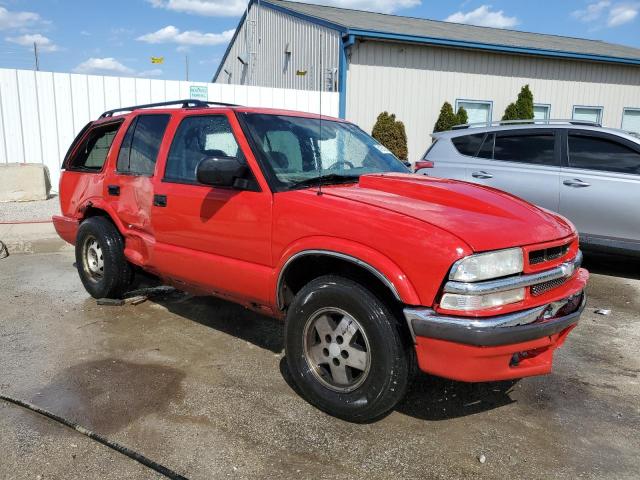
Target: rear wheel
(102, 266)
(346, 351)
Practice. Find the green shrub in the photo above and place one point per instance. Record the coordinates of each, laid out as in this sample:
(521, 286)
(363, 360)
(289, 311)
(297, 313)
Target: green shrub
(447, 118)
(522, 109)
(462, 116)
(392, 134)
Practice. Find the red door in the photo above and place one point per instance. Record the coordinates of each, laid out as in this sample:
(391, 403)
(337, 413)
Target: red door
(215, 238)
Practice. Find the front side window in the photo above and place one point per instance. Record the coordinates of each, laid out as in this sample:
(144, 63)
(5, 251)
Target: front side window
(597, 153)
(297, 152)
(199, 137)
(140, 146)
(536, 149)
(92, 153)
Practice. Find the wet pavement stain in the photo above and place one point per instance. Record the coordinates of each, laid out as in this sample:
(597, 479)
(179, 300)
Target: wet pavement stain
(107, 395)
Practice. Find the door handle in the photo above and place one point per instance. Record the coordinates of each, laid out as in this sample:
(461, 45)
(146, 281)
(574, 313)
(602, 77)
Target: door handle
(481, 174)
(576, 183)
(114, 190)
(159, 200)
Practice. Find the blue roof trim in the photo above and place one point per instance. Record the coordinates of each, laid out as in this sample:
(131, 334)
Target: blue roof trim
(232, 41)
(492, 47)
(304, 16)
(345, 43)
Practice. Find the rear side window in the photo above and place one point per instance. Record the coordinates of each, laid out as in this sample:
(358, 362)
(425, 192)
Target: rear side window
(92, 153)
(597, 153)
(536, 149)
(468, 144)
(199, 137)
(139, 149)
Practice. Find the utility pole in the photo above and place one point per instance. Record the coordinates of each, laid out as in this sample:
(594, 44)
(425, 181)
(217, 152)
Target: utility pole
(186, 66)
(35, 53)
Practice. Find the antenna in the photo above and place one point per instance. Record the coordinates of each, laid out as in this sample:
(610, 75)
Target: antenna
(320, 136)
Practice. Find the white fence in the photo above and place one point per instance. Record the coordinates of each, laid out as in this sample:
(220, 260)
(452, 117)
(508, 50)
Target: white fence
(41, 112)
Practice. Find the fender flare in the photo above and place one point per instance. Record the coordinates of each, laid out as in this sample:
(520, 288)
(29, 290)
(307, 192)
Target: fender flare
(373, 261)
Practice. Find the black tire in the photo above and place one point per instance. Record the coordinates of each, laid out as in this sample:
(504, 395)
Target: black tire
(116, 274)
(391, 361)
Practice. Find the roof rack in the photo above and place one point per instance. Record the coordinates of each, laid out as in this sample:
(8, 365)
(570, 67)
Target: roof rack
(188, 103)
(540, 121)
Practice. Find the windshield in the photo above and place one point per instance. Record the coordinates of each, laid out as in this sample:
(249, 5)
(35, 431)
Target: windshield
(298, 152)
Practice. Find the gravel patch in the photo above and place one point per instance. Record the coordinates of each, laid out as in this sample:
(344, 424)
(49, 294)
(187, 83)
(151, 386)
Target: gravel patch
(29, 211)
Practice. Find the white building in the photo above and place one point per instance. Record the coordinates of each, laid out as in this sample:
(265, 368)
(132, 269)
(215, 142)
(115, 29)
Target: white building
(410, 66)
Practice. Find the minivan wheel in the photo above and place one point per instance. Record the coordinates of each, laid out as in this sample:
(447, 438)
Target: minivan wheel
(346, 351)
(102, 266)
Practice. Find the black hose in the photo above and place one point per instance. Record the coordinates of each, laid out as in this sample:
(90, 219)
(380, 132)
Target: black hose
(4, 253)
(98, 438)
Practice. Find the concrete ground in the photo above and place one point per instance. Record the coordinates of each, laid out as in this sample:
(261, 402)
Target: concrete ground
(29, 211)
(201, 386)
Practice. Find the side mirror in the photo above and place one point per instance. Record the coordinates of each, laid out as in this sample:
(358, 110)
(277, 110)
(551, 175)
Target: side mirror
(220, 171)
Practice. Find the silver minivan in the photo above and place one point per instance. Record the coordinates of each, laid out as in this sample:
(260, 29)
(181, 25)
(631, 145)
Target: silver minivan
(587, 173)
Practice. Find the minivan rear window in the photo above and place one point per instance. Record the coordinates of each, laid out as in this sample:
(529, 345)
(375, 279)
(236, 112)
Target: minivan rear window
(91, 155)
(596, 153)
(468, 144)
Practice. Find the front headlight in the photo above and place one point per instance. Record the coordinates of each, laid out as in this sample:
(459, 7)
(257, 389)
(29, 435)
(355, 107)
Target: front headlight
(484, 266)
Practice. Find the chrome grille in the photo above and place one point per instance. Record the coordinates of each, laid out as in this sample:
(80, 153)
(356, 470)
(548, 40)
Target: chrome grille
(544, 287)
(547, 254)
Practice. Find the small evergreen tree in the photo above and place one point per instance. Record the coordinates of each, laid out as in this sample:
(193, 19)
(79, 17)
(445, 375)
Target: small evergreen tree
(392, 134)
(446, 119)
(522, 109)
(462, 116)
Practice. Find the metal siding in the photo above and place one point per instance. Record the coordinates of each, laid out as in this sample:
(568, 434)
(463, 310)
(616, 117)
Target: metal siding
(272, 30)
(415, 83)
(41, 112)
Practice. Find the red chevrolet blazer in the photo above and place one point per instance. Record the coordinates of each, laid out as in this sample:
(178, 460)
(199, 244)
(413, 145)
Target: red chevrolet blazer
(376, 271)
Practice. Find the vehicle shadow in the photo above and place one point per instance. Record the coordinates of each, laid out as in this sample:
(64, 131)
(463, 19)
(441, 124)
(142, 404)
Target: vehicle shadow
(613, 265)
(429, 398)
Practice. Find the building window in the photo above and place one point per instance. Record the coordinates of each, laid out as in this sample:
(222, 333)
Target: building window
(588, 114)
(631, 120)
(478, 111)
(541, 111)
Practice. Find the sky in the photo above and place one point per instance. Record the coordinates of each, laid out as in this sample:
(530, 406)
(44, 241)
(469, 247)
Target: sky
(119, 37)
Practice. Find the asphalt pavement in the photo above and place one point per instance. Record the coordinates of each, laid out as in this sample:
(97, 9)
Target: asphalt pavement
(201, 386)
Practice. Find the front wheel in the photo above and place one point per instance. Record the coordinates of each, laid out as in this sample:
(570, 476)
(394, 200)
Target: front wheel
(346, 351)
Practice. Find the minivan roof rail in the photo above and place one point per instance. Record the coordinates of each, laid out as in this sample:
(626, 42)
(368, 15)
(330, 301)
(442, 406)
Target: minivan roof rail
(188, 103)
(540, 121)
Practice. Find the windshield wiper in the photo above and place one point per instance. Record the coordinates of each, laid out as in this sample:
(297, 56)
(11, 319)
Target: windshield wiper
(332, 178)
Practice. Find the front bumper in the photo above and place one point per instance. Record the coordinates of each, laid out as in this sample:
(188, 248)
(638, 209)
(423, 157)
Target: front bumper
(514, 345)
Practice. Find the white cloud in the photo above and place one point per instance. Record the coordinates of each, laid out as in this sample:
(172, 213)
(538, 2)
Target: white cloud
(607, 12)
(233, 8)
(44, 44)
(484, 17)
(171, 34)
(14, 20)
(621, 14)
(107, 65)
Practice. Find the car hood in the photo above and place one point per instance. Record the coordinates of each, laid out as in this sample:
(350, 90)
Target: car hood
(483, 217)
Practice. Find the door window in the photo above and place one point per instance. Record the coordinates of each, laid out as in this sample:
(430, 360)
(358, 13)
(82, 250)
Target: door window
(536, 149)
(199, 137)
(587, 114)
(598, 153)
(139, 149)
(92, 154)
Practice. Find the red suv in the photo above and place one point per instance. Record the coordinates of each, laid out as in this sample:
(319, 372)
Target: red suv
(376, 271)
